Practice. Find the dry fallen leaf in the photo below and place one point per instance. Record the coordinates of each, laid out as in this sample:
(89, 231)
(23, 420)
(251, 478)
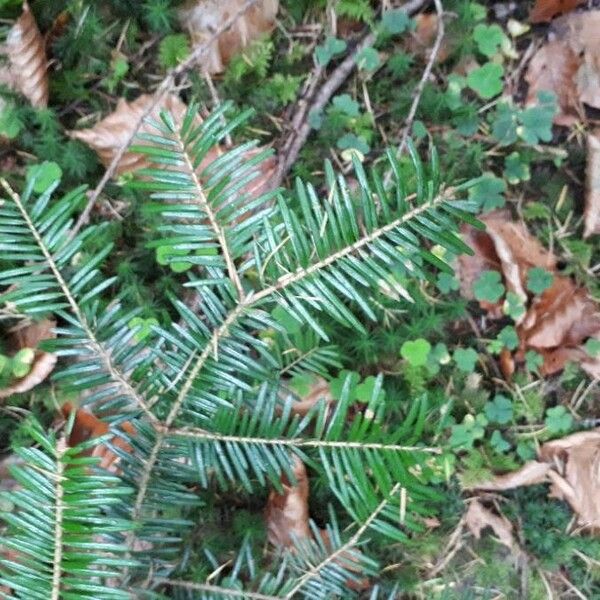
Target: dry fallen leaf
(28, 66)
(29, 336)
(109, 134)
(319, 390)
(580, 32)
(203, 17)
(505, 246)
(478, 518)
(553, 68)
(421, 39)
(545, 10)
(87, 426)
(557, 323)
(287, 513)
(569, 65)
(572, 466)
(592, 196)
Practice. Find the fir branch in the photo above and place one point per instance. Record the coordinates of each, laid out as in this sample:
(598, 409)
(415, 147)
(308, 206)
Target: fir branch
(57, 566)
(164, 87)
(200, 434)
(339, 552)
(215, 589)
(104, 356)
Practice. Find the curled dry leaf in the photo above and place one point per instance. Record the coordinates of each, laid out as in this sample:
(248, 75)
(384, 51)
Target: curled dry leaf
(478, 518)
(87, 426)
(505, 246)
(558, 322)
(423, 36)
(553, 68)
(203, 17)
(319, 390)
(29, 336)
(572, 466)
(545, 10)
(569, 65)
(592, 197)
(287, 513)
(27, 63)
(109, 134)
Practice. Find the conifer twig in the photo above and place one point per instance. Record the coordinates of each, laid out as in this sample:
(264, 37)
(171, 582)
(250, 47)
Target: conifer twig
(161, 91)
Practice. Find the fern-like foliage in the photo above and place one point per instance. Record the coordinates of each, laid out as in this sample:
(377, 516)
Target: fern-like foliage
(65, 540)
(207, 395)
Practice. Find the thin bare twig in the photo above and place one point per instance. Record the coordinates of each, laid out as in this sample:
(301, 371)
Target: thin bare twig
(421, 85)
(300, 126)
(165, 85)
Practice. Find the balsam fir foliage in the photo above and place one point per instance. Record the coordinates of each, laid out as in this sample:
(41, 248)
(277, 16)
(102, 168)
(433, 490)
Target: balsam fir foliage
(206, 393)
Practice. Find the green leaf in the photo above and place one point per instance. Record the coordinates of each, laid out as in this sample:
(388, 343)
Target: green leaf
(337, 385)
(416, 351)
(471, 429)
(488, 38)
(396, 21)
(536, 121)
(558, 420)
(488, 192)
(505, 123)
(143, 326)
(346, 104)
(301, 383)
(350, 141)
(486, 81)
(44, 175)
(526, 450)
(368, 59)
(364, 391)
(465, 359)
(10, 123)
(447, 283)
(498, 443)
(515, 169)
(539, 280)
(508, 337)
(488, 287)
(499, 410)
(329, 49)
(22, 361)
(513, 306)
(592, 347)
(533, 361)
(173, 49)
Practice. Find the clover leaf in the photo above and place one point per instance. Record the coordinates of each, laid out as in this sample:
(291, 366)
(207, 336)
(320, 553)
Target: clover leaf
(464, 435)
(330, 48)
(486, 81)
(488, 287)
(508, 337)
(416, 351)
(488, 38)
(396, 21)
(465, 359)
(498, 443)
(499, 410)
(558, 420)
(487, 192)
(44, 175)
(539, 280)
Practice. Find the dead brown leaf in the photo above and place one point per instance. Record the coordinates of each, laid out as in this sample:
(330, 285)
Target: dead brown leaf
(580, 32)
(544, 11)
(28, 66)
(553, 68)
(478, 518)
(421, 39)
(592, 196)
(505, 246)
(287, 513)
(572, 466)
(558, 322)
(203, 17)
(109, 134)
(30, 335)
(319, 390)
(87, 426)
(557, 325)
